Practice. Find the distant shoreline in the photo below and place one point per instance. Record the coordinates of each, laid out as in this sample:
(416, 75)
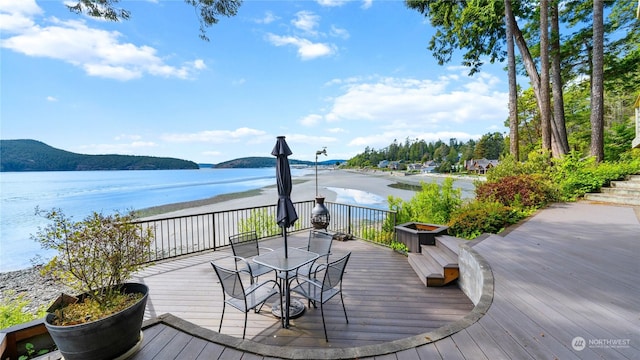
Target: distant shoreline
(381, 183)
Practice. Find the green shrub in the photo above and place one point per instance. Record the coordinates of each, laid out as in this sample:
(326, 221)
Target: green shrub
(433, 204)
(398, 246)
(538, 162)
(260, 221)
(478, 217)
(12, 311)
(571, 175)
(577, 176)
(378, 236)
(520, 190)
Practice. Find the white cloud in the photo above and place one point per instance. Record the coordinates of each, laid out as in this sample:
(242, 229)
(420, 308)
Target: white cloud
(216, 136)
(420, 103)
(52, 99)
(98, 52)
(367, 4)
(311, 120)
(16, 15)
(450, 106)
(268, 18)
(338, 32)
(314, 140)
(331, 3)
(306, 21)
(306, 49)
(128, 137)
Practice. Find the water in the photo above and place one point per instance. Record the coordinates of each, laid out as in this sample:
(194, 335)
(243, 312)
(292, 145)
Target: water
(78, 193)
(362, 198)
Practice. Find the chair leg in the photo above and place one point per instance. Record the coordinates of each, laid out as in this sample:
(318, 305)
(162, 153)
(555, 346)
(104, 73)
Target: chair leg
(222, 317)
(344, 308)
(326, 338)
(244, 331)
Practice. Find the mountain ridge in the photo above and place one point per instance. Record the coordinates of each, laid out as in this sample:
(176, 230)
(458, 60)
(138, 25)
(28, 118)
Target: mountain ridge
(33, 155)
(266, 161)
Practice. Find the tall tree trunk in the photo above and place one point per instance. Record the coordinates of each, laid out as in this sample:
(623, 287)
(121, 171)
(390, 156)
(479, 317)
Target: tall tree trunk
(558, 125)
(545, 103)
(597, 82)
(514, 138)
(527, 60)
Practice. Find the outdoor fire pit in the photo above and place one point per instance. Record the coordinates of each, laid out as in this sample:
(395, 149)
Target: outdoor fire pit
(414, 234)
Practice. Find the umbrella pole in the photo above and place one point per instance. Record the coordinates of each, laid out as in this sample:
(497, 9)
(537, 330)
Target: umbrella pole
(286, 252)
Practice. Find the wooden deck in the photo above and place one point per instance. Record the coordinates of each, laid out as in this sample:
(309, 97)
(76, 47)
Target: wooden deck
(566, 286)
(384, 298)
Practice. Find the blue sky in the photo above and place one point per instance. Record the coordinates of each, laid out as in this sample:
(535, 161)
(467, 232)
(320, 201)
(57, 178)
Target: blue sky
(337, 74)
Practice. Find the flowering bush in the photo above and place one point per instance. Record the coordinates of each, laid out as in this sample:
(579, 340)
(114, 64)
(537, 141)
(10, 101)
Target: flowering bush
(520, 190)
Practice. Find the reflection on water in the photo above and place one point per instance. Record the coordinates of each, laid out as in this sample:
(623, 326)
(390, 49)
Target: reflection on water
(359, 197)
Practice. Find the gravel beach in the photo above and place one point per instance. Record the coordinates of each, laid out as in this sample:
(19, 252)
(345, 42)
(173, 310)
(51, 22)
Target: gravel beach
(42, 291)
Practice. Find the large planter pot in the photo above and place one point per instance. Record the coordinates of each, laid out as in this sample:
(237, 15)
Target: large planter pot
(414, 234)
(109, 338)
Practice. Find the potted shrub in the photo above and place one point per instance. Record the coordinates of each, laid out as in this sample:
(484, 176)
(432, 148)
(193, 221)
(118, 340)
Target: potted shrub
(95, 258)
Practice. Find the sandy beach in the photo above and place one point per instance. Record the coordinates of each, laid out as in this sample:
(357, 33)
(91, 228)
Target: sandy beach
(304, 188)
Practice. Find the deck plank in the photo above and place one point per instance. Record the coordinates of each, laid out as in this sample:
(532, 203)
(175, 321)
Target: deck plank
(211, 351)
(193, 349)
(156, 346)
(467, 346)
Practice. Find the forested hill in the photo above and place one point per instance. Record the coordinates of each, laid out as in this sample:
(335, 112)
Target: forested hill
(260, 162)
(32, 155)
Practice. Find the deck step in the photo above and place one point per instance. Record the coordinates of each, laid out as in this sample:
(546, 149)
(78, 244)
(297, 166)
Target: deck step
(450, 244)
(621, 191)
(613, 198)
(627, 184)
(625, 192)
(435, 266)
(427, 269)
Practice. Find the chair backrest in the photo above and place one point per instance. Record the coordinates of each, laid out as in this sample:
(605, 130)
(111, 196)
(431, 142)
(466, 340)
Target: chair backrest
(231, 281)
(334, 272)
(245, 244)
(320, 242)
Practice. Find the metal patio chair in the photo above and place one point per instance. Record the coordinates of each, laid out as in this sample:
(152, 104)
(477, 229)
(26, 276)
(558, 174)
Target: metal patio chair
(319, 243)
(245, 247)
(241, 298)
(320, 291)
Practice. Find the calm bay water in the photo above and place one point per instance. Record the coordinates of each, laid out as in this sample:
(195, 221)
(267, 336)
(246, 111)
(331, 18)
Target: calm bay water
(78, 193)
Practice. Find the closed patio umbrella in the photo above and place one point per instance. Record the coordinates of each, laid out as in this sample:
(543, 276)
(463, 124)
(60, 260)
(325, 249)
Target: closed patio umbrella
(286, 213)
